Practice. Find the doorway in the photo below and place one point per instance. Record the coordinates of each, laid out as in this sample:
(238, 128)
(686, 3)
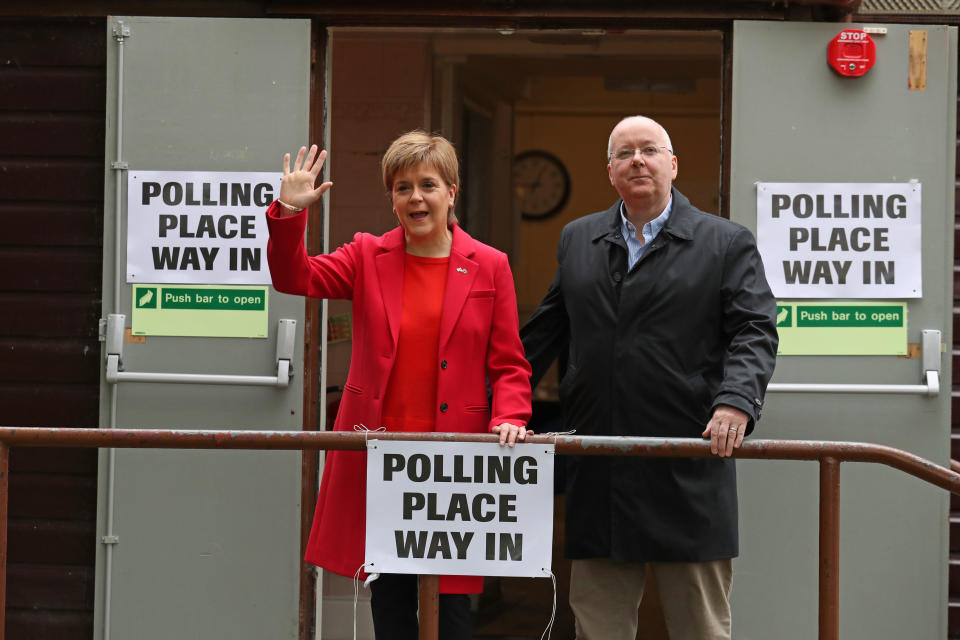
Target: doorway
(510, 100)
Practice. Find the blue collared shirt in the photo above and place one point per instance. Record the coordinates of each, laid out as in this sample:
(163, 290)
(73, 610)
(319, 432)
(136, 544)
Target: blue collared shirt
(635, 250)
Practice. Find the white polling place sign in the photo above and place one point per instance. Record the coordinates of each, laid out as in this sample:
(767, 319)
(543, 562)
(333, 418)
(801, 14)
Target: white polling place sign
(459, 508)
(198, 227)
(840, 240)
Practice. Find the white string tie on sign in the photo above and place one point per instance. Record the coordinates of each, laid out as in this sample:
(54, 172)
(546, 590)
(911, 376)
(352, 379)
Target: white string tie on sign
(557, 434)
(553, 578)
(362, 428)
(366, 583)
(356, 594)
(553, 612)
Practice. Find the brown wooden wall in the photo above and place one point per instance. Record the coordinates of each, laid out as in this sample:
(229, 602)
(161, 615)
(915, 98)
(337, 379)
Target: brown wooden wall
(52, 118)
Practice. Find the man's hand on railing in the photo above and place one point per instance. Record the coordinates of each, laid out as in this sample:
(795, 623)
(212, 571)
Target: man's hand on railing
(726, 430)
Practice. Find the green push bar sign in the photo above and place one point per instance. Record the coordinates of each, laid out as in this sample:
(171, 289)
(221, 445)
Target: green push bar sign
(842, 329)
(199, 311)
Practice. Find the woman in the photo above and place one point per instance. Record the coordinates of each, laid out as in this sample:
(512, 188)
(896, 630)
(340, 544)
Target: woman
(434, 318)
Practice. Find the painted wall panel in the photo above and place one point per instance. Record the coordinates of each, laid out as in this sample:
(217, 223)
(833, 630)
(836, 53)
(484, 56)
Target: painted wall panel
(795, 120)
(208, 541)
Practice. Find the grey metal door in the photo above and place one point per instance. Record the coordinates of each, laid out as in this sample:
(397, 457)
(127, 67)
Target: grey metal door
(796, 121)
(199, 544)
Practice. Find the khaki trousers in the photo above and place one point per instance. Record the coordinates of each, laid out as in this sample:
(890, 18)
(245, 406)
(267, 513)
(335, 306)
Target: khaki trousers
(605, 598)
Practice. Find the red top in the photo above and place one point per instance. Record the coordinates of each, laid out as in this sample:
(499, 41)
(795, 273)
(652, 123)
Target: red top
(410, 403)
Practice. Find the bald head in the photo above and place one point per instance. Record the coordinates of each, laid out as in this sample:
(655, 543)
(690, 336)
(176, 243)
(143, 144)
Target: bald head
(633, 119)
(644, 173)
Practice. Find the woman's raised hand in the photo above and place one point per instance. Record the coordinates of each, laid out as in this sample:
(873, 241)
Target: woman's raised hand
(297, 188)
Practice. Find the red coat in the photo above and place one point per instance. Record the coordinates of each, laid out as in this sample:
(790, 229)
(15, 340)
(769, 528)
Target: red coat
(479, 339)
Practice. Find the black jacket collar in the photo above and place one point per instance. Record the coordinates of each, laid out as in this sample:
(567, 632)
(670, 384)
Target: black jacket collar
(679, 224)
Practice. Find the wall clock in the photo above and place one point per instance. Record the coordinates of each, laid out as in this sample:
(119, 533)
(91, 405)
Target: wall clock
(541, 184)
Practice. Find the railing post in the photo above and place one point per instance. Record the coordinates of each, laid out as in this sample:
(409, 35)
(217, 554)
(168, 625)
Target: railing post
(429, 608)
(4, 492)
(829, 548)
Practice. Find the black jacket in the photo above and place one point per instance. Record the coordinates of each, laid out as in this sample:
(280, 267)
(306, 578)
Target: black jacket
(651, 352)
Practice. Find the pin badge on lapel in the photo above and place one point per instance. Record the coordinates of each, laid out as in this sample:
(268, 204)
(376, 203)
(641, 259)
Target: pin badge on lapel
(461, 270)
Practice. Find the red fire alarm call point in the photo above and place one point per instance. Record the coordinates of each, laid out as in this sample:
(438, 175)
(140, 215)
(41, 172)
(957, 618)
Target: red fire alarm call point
(852, 53)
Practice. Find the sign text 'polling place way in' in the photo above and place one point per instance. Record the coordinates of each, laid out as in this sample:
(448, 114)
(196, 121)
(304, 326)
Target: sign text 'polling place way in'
(459, 508)
(841, 240)
(196, 227)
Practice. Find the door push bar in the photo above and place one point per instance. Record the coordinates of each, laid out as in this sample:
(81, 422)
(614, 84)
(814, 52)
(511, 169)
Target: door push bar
(931, 376)
(286, 333)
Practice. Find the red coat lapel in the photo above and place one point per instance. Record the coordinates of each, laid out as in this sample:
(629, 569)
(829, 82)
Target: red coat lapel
(460, 276)
(390, 274)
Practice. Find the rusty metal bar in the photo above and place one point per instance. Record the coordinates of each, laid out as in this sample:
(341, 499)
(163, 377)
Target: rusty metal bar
(568, 445)
(429, 608)
(830, 454)
(829, 610)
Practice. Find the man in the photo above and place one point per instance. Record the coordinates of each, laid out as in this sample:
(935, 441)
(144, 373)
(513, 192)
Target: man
(670, 331)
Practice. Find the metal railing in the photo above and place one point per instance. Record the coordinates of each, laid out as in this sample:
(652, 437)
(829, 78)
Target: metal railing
(828, 454)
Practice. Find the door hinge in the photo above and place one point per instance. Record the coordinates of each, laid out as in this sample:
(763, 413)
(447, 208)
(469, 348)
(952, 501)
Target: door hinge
(121, 31)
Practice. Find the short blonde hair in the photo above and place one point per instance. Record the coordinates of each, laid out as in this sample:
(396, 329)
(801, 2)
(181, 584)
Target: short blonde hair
(419, 147)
